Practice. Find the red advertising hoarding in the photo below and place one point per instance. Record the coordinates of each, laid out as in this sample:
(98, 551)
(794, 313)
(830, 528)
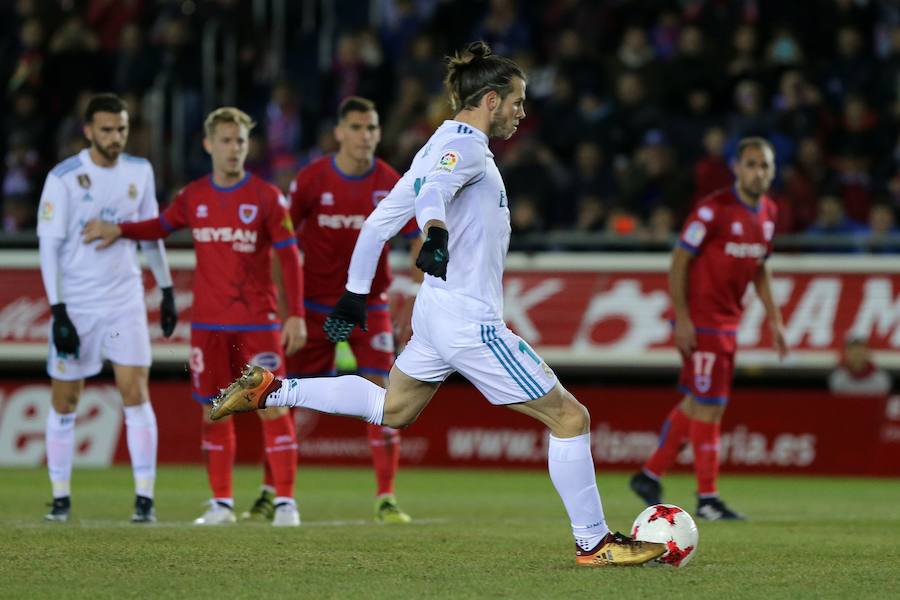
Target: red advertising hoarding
(765, 430)
(579, 310)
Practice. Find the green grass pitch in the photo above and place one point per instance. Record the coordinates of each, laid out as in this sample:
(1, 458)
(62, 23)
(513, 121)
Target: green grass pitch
(477, 534)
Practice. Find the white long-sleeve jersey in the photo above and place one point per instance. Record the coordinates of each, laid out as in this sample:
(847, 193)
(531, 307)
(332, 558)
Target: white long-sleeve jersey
(452, 178)
(75, 191)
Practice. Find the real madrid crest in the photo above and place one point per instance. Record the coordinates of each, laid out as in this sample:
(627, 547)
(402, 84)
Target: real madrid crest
(84, 181)
(132, 191)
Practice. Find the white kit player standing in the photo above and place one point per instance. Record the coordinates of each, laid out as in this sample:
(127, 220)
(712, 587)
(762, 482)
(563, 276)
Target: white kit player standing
(97, 298)
(457, 196)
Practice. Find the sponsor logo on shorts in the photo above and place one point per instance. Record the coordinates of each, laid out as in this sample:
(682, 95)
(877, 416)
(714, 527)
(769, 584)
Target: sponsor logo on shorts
(383, 342)
(267, 360)
(84, 181)
(247, 212)
(702, 383)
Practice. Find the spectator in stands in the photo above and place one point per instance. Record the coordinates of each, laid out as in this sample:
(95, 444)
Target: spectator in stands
(745, 61)
(797, 106)
(19, 186)
(822, 88)
(283, 123)
(857, 374)
(135, 64)
(852, 148)
(589, 188)
(503, 28)
(664, 35)
(831, 220)
(805, 180)
(660, 227)
(29, 64)
(590, 213)
(712, 171)
(653, 179)
(884, 235)
(851, 71)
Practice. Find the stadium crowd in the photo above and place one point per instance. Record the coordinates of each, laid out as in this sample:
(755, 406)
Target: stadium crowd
(634, 106)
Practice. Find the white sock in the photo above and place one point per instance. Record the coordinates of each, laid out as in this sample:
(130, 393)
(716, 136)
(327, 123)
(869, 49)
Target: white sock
(60, 439)
(229, 502)
(284, 500)
(348, 395)
(140, 430)
(572, 472)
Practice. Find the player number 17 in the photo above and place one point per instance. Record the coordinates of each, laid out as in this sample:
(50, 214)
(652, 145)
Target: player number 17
(703, 363)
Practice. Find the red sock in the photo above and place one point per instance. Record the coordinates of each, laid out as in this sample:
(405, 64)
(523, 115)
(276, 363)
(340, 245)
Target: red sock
(268, 478)
(281, 453)
(672, 435)
(218, 451)
(705, 438)
(385, 445)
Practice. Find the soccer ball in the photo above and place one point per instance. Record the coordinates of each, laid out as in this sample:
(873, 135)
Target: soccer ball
(669, 525)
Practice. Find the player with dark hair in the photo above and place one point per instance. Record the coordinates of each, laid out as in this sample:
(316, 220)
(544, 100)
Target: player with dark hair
(97, 298)
(724, 246)
(236, 219)
(457, 196)
(330, 200)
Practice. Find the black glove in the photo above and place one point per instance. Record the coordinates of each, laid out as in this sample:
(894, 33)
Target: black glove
(433, 257)
(168, 315)
(65, 338)
(349, 311)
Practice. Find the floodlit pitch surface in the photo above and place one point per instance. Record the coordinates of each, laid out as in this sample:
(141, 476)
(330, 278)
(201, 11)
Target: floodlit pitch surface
(483, 534)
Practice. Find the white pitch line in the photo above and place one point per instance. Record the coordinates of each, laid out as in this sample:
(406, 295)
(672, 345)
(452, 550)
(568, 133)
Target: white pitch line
(110, 524)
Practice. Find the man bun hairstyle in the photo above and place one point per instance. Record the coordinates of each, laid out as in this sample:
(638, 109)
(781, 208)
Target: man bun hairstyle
(103, 103)
(474, 72)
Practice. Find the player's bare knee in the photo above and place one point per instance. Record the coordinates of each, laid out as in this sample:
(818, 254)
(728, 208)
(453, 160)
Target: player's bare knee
(65, 404)
(64, 396)
(575, 419)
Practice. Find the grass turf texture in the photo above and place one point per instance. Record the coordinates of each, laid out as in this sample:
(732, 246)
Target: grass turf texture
(480, 534)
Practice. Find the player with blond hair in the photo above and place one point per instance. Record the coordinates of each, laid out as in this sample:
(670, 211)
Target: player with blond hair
(236, 219)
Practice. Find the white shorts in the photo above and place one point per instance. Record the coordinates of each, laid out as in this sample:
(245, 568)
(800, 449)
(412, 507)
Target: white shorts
(121, 336)
(498, 362)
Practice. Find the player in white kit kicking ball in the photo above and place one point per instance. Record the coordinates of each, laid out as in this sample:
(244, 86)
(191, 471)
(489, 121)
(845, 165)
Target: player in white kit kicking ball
(97, 298)
(456, 193)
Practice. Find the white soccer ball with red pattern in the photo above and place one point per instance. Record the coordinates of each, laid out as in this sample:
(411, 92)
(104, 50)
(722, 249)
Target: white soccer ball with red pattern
(670, 525)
